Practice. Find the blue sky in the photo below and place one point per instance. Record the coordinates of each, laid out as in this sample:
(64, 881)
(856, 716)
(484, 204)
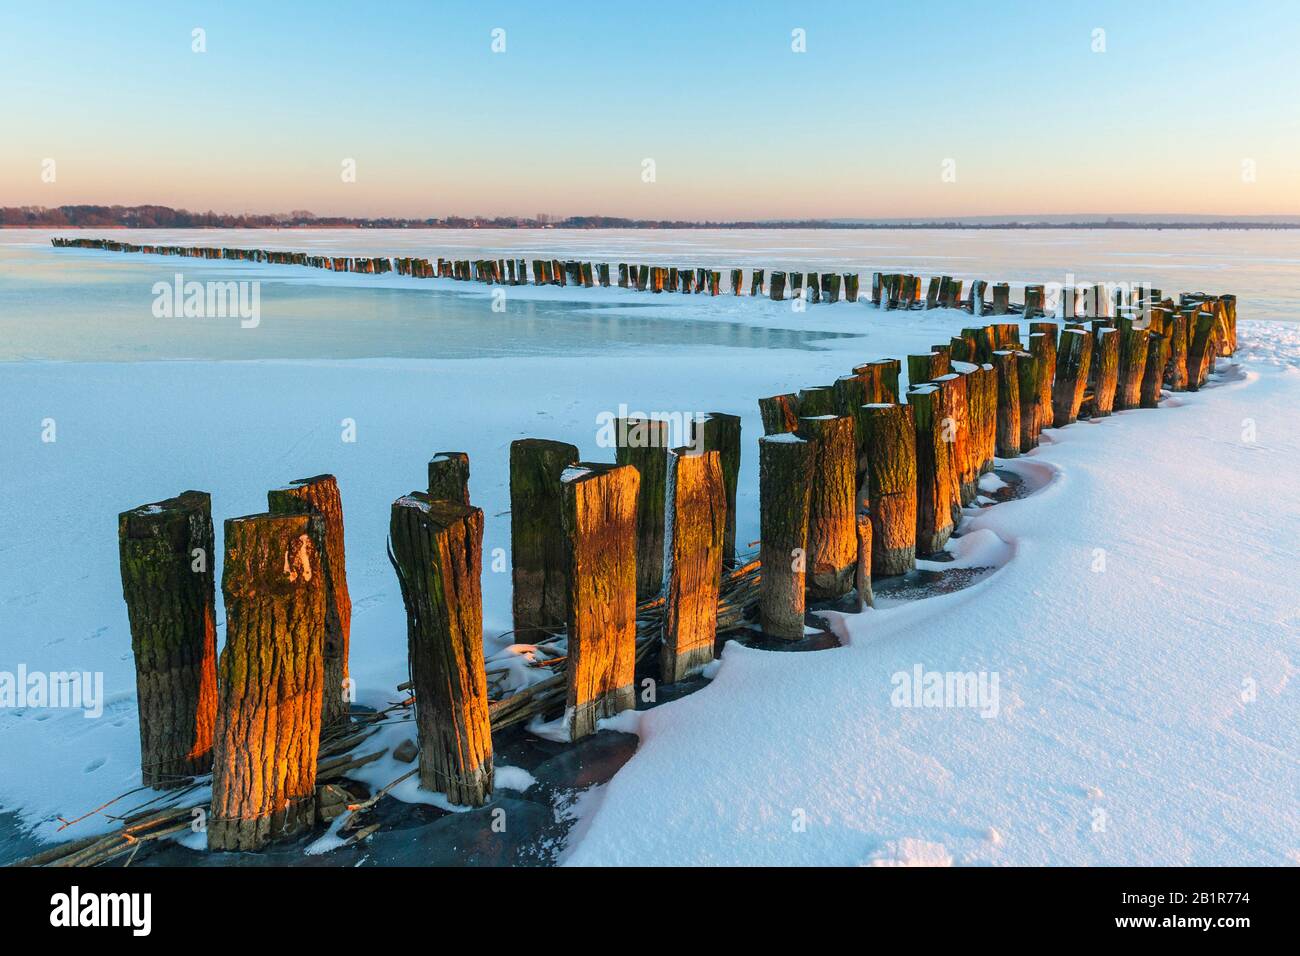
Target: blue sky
(1009, 98)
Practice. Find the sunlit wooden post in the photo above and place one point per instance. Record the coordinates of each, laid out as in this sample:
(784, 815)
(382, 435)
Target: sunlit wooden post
(437, 552)
(697, 513)
(785, 481)
(600, 540)
(832, 536)
(320, 496)
(269, 681)
(643, 444)
(889, 485)
(720, 432)
(934, 498)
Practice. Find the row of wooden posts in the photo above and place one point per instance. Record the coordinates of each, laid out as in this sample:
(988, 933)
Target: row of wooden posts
(856, 480)
(888, 290)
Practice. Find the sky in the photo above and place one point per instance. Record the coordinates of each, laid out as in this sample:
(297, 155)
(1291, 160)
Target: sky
(671, 110)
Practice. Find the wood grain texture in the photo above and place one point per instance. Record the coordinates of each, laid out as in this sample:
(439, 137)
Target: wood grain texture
(720, 432)
(167, 561)
(270, 680)
(449, 477)
(890, 484)
(832, 536)
(784, 489)
(538, 558)
(697, 512)
(643, 444)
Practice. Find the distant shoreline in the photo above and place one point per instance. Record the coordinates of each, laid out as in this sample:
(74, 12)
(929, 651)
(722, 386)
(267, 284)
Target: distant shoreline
(165, 217)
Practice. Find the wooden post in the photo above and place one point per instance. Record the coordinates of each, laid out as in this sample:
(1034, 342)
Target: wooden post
(982, 401)
(1106, 377)
(1028, 370)
(1073, 360)
(934, 496)
(851, 287)
(449, 476)
(926, 368)
(720, 432)
(955, 428)
(437, 552)
(1035, 297)
(817, 400)
(889, 485)
(320, 496)
(780, 413)
(756, 283)
(1008, 435)
(887, 372)
(600, 538)
(862, 570)
(737, 280)
(832, 535)
(697, 523)
(1176, 370)
(877, 283)
(269, 681)
(1154, 374)
(166, 556)
(1001, 298)
(785, 482)
(538, 557)
(932, 293)
(778, 286)
(643, 444)
(1132, 363)
(1198, 353)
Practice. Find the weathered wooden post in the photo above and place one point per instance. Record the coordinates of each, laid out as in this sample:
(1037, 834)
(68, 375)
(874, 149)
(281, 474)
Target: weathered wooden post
(269, 681)
(877, 284)
(1035, 297)
(1154, 374)
(934, 498)
(1105, 376)
(437, 552)
(832, 536)
(166, 557)
(932, 293)
(538, 558)
(1132, 363)
(697, 523)
(1176, 369)
(887, 372)
(737, 280)
(796, 285)
(1008, 435)
(955, 428)
(1029, 372)
(778, 286)
(816, 400)
(785, 482)
(600, 540)
(449, 476)
(643, 444)
(320, 496)
(926, 368)
(720, 432)
(982, 401)
(780, 413)
(862, 570)
(1198, 352)
(1001, 298)
(756, 283)
(1042, 347)
(1073, 360)
(851, 282)
(622, 275)
(889, 485)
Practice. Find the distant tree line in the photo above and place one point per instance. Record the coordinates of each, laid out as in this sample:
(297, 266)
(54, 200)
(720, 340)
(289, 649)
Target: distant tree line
(164, 217)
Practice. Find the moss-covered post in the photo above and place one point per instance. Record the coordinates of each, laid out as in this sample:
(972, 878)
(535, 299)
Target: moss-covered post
(934, 494)
(832, 535)
(784, 490)
(600, 539)
(1198, 353)
(538, 558)
(697, 522)
(1105, 375)
(166, 558)
(780, 413)
(643, 444)
(889, 485)
(1176, 368)
(1073, 360)
(269, 681)
(449, 476)
(320, 496)
(817, 400)
(720, 432)
(927, 367)
(1132, 363)
(437, 552)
